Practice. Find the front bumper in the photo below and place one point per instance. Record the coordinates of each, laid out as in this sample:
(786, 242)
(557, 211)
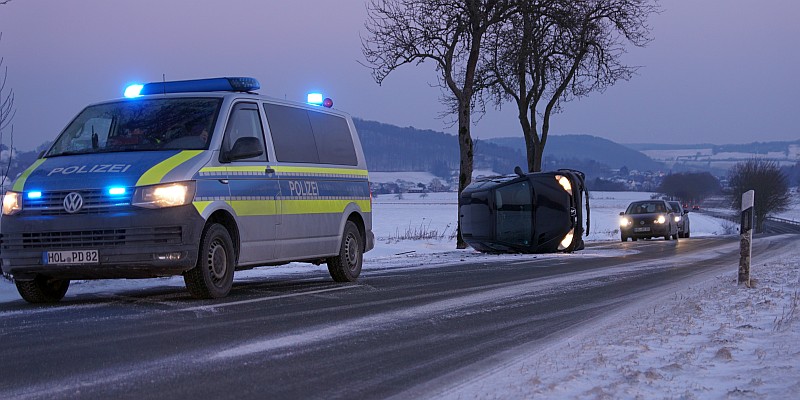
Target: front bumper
(128, 243)
(654, 231)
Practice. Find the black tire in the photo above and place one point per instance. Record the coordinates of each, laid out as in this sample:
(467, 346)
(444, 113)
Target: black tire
(634, 239)
(624, 239)
(43, 289)
(686, 235)
(212, 276)
(346, 267)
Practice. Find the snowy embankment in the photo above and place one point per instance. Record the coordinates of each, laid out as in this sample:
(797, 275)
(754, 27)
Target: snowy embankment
(711, 339)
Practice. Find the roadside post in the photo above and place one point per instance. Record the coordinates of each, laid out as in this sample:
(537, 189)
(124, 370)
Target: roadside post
(746, 237)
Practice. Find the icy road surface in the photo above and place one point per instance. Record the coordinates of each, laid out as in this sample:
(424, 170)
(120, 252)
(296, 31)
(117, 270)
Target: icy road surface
(415, 327)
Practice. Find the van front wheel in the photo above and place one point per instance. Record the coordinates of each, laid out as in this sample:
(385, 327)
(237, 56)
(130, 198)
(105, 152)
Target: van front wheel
(347, 265)
(42, 289)
(212, 276)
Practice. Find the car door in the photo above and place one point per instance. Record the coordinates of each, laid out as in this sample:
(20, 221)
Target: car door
(254, 188)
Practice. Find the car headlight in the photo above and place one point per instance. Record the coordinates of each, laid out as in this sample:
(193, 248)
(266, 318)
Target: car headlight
(564, 182)
(12, 203)
(661, 219)
(166, 195)
(624, 221)
(677, 218)
(567, 241)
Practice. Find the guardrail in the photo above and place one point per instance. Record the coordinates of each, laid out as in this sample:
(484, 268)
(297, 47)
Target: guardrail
(784, 221)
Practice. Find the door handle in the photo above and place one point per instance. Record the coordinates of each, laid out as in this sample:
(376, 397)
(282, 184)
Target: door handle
(269, 170)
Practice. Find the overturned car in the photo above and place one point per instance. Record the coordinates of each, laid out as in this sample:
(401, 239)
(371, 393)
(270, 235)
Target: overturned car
(538, 212)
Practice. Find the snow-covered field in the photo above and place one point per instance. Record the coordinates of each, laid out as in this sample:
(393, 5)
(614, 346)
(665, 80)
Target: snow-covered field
(711, 339)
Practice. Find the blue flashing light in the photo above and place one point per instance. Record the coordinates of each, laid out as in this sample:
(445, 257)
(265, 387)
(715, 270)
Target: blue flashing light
(228, 84)
(115, 191)
(34, 195)
(133, 90)
(315, 98)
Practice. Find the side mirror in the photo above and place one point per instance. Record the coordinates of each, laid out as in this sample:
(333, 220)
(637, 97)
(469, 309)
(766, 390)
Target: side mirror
(245, 147)
(685, 212)
(622, 213)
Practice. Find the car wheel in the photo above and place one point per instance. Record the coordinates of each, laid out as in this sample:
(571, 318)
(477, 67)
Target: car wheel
(686, 235)
(42, 289)
(346, 267)
(212, 276)
(624, 239)
(634, 239)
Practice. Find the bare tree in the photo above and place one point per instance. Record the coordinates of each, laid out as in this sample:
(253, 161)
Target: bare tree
(771, 188)
(7, 112)
(692, 187)
(447, 32)
(551, 51)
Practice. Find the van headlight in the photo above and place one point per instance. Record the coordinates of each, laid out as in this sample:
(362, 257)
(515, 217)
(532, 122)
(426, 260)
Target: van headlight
(567, 241)
(165, 195)
(624, 221)
(564, 182)
(677, 218)
(12, 203)
(661, 219)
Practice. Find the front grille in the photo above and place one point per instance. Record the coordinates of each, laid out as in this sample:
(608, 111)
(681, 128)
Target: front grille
(95, 201)
(96, 238)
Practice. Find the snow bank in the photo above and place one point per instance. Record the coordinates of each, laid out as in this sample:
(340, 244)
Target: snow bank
(712, 340)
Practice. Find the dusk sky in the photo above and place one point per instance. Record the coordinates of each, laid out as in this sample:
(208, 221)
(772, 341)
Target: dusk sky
(718, 71)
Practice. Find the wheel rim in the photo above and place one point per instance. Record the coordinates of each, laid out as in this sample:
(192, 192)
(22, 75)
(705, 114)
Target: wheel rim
(217, 262)
(351, 252)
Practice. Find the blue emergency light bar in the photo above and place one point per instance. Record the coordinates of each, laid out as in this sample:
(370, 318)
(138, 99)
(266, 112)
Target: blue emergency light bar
(234, 84)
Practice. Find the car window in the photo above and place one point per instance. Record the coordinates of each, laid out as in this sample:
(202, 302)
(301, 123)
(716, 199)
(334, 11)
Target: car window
(244, 122)
(291, 133)
(646, 208)
(514, 213)
(139, 125)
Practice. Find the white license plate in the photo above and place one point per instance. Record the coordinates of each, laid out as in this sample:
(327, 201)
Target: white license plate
(645, 229)
(70, 257)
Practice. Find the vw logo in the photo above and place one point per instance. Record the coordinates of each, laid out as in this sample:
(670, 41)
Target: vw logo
(73, 202)
(641, 222)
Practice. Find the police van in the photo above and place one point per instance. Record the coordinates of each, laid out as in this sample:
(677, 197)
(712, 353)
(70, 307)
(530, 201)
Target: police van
(195, 178)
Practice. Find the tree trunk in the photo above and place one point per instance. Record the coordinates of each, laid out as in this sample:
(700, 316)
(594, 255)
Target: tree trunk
(466, 149)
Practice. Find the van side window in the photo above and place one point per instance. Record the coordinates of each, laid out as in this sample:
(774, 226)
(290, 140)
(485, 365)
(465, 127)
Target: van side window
(291, 134)
(334, 142)
(244, 121)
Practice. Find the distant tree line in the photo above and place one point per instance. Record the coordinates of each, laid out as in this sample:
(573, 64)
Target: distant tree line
(691, 187)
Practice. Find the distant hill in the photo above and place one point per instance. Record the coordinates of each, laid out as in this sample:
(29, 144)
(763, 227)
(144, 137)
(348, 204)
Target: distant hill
(587, 147)
(390, 148)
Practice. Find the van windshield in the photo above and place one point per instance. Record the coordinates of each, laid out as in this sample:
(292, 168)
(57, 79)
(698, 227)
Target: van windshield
(140, 125)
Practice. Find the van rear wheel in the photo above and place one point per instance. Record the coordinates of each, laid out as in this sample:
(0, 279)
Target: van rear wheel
(42, 289)
(212, 276)
(346, 267)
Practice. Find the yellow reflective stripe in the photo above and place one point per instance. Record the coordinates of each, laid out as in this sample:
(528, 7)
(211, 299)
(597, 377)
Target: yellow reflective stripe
(201, 205)
(320, 206)
(323, 170)
(158, 171)
(20, 183)
(254, 207)
(257, 168)
(214, 169)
